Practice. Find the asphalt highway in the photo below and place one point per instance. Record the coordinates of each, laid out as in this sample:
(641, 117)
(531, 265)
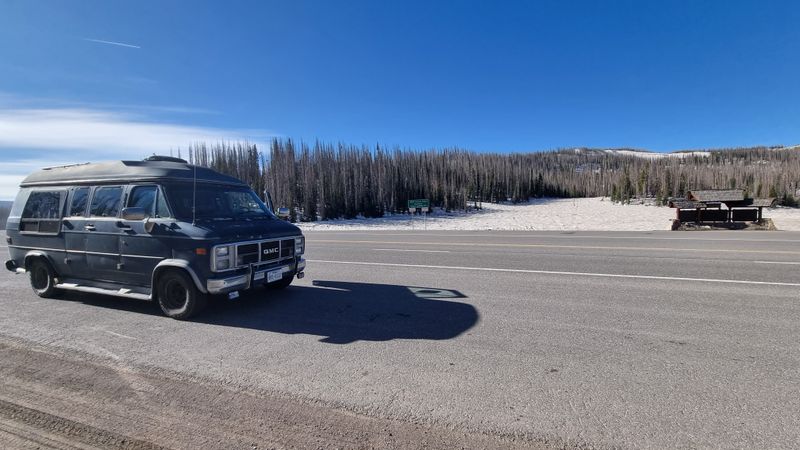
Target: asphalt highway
(593, 339)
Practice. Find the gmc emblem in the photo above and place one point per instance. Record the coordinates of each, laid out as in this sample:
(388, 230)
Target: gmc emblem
(268, 251)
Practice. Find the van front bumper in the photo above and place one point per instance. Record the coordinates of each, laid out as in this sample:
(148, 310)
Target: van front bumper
(251, 278)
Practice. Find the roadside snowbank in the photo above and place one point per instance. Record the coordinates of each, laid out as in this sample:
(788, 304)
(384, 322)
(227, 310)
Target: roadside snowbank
(579, 214)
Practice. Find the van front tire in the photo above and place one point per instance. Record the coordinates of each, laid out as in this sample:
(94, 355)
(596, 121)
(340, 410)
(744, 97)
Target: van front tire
(43, 279)
(178, 297)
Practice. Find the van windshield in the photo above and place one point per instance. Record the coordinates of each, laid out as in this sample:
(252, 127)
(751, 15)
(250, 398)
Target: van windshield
(215, 202)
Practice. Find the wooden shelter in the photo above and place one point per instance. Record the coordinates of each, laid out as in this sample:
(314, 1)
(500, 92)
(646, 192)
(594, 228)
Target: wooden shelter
(704, 206)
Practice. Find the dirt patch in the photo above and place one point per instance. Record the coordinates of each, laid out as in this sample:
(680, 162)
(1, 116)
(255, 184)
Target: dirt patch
(56, 401)
(67, 429)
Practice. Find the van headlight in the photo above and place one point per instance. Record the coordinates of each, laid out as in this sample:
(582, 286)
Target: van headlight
(299, 245)
(222, 257)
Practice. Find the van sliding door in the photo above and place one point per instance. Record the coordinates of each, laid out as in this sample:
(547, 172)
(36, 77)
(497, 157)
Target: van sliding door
(103, 233)
(75, 235)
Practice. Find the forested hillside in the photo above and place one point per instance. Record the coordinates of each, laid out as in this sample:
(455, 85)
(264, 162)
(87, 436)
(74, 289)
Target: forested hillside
(326, 181)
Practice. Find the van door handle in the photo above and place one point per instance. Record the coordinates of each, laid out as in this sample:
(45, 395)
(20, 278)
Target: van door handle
(89, 227)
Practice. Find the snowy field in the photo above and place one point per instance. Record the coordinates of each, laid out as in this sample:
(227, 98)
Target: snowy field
(580, 214)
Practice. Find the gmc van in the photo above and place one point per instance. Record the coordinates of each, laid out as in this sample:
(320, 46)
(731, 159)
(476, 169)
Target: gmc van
(158, 229)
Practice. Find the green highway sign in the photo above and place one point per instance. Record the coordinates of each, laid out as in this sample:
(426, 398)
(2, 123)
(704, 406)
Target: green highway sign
(419, 203)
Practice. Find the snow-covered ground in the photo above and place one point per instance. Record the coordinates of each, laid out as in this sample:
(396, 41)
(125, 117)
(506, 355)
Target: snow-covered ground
(657, 155)
(787, 219)
(579, 214)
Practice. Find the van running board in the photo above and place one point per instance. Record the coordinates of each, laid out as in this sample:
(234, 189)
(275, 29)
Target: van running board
(122, 292)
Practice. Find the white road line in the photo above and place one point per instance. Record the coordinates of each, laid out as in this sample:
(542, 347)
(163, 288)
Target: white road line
(778, 262)
(556, 272)
(582, 247)
(409, 250)
(501, 234)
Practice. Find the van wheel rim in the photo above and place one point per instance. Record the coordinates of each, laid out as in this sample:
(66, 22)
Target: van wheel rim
(175, 295)
(40, 278)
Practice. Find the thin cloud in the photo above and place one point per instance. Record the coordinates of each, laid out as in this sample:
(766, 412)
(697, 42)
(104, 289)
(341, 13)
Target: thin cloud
(121, 44)
(14, 101)
(101, 132)
(34, 138)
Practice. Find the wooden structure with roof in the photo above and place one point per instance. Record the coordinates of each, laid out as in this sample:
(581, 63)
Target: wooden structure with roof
(704, 206)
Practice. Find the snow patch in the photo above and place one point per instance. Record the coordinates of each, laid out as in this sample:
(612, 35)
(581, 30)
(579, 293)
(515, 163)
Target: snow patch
(539, 214)
(577, 214)
(655, 155)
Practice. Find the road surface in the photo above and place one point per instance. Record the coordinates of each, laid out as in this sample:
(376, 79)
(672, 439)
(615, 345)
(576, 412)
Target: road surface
(436, 340)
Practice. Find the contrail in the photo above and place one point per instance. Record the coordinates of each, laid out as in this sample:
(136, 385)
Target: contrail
(121, 44)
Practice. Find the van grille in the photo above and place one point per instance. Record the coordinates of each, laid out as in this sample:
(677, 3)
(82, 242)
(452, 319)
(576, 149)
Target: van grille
(287, 248)
(246, 254)
(264, 251)
(270, 251)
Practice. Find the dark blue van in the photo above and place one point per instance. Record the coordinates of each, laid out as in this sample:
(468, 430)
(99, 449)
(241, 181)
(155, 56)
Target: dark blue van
(158, 229)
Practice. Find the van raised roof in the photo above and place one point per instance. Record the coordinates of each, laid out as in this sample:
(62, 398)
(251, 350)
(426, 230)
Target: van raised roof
(153, 168)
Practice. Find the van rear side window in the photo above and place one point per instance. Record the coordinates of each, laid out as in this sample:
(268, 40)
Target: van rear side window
(106, 201)
(77, 207)
(42, 212)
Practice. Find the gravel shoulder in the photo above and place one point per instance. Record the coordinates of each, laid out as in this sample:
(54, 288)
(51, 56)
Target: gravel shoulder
(54, 399)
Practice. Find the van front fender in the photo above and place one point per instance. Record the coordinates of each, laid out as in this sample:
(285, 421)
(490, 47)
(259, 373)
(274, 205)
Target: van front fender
(180, 264)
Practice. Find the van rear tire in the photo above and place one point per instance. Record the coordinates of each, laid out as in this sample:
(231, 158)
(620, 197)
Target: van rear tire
(43, 279)
(178, 296)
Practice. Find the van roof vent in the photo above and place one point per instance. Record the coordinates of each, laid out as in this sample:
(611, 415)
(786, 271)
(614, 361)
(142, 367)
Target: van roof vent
(165, 158)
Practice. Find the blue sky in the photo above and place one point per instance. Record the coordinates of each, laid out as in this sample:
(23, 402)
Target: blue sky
(488, 76)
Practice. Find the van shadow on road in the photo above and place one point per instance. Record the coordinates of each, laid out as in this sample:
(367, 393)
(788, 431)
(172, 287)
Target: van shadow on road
(343, 312)
(339, 312)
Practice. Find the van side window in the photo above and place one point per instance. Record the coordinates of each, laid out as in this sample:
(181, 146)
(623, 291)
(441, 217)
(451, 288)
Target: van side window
(77, 207)
(42, 212)
(143, 197)
(106, 201)
(162, 209)
(149, 198)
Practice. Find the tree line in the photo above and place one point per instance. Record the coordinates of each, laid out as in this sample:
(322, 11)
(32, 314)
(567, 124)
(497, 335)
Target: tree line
(329, 181)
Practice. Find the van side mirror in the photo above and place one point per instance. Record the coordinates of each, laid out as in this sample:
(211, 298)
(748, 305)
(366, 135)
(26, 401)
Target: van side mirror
(283, 213)
(134, 213)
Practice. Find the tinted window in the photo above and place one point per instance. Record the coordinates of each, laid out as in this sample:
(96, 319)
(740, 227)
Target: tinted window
(43, 205)
(42, 212)
(149, 198)
(143, 197)
(105, 202)
(216, 202)
(78, 204)
(162, 210)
